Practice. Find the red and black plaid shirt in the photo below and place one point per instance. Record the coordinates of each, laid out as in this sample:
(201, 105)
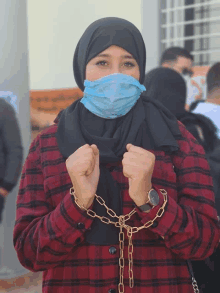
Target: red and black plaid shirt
(49, 230)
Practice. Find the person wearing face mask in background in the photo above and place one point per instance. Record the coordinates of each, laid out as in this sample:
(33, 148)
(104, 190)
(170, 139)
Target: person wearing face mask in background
(100, 208)
(180, 60)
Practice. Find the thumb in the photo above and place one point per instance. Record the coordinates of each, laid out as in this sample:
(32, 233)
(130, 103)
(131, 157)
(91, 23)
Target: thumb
(96, 153)
(128, 146)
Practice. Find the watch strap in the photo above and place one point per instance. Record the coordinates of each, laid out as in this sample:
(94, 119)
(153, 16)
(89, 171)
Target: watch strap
(148, 206)
(145, 207)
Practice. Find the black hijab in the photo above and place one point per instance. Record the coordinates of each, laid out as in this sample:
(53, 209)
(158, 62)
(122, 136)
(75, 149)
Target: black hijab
(148, 124)
(102, 34)
(168, 87)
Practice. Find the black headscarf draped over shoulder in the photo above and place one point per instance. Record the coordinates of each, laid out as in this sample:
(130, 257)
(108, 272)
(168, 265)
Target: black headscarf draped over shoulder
(148, 124)
(102, 34)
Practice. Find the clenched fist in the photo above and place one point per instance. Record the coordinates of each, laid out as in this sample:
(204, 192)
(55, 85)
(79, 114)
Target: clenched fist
(83, 169)
(138, 166)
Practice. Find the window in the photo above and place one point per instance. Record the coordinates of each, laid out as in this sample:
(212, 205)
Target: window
(193, 24)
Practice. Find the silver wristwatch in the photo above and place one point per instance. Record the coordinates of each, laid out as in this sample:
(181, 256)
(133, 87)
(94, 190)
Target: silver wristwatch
(152, 201)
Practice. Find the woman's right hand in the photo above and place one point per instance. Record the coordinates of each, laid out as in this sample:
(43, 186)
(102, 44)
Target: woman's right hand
(83, 169)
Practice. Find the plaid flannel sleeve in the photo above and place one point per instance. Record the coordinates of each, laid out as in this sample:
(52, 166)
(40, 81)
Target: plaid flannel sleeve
(189, 226)
(43, 235)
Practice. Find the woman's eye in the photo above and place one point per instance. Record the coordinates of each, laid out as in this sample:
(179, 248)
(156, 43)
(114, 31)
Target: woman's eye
(129, 64)
(102, 63)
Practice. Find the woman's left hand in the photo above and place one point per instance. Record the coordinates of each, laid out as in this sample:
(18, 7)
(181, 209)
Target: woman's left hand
(138, 166)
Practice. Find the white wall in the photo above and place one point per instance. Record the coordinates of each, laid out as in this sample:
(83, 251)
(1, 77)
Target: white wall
(151, 32)
(54, 28)
(14, 77)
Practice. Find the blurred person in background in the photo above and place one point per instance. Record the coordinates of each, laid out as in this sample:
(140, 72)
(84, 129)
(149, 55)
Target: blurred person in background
(180, 60)
(168, 87)
(100, 208)
(11, 155)
(211, 107)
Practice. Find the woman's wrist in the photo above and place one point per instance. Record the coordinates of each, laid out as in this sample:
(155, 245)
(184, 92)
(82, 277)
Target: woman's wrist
(143, 196)
(83, 203)
(86, 203)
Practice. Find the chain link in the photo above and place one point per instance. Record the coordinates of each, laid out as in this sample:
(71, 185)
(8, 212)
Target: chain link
(130, 231)
(195, 286)
(121, 259)
(130, 257)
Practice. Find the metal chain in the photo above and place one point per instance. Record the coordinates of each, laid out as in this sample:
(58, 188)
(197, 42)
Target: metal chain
(130, 230)
(195, 285)
(130, 257)
(121, 259)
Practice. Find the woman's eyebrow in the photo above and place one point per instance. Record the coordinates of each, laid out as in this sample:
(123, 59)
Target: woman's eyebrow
(103, 55)
(128, 56)
(107, 55)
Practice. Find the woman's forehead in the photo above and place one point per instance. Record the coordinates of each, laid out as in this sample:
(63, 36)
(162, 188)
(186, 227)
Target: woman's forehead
(114, 50)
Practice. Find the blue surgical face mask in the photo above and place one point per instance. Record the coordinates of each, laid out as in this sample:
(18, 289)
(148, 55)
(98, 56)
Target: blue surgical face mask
(111, 96)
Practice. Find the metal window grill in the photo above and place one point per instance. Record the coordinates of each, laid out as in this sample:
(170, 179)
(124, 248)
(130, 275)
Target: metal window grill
(193, 24)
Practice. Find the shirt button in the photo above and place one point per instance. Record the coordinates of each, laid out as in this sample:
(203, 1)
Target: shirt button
(111, 291)
(78, 240)
(80, 226)
(155, 224)
(112, 250)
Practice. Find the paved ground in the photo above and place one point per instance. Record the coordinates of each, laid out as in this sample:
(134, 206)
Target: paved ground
(31, 283)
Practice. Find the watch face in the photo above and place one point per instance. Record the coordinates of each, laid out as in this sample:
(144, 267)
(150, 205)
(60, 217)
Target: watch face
(154, 197)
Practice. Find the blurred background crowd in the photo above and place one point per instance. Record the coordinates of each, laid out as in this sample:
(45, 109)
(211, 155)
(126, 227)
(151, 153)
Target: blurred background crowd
(38, 39)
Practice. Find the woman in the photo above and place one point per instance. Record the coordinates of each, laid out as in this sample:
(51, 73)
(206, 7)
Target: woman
(120, 145)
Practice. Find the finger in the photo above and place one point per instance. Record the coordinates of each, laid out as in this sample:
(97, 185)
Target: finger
(133, 162)
(128, 146)
(96, 154)
(89, 156)
(91, 166)
(95, 162)
(125, 173)
(129, 155)
(125, 168)
(132, 148)
(83, 147)
(95, 149)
